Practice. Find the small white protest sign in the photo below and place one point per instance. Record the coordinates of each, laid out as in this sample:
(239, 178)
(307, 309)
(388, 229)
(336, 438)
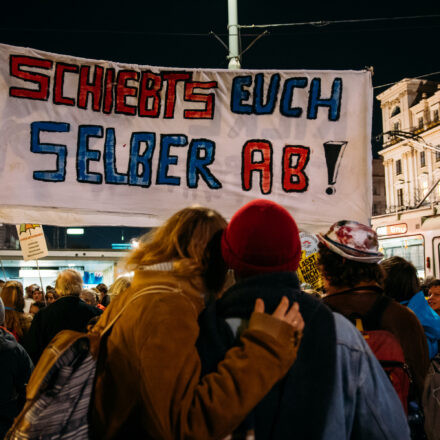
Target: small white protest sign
(32, 241)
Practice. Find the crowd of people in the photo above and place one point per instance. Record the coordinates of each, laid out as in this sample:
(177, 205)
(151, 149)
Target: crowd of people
(214, 337)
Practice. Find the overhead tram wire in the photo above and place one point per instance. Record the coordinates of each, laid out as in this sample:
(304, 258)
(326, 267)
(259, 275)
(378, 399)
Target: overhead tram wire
(416, 77)
(319, 23)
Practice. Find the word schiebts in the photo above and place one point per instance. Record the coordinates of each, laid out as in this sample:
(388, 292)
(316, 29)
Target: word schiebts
(109, 91)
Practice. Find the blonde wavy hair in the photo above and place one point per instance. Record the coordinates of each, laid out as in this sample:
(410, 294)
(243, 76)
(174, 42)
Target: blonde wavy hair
(182, 239)
(121, 284)
(15, 320)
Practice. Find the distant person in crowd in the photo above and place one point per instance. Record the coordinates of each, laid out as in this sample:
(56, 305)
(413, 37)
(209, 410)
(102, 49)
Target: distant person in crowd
(121, 284)
(37, 294)
(425, 284)
(15, 370)
(402, 284)
(89, 297)
(29, 297)
(434, 296)
(336, 389)
(104, 299)
(348, 260)
(36, 307)
(51, 296)
(67, 313)
(158, 392)
(16, 320)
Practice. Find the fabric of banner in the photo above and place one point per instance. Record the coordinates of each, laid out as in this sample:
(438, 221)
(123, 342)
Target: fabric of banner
(86, 142)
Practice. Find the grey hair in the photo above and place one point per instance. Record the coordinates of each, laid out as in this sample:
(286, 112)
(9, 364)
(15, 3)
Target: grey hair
(89, 296)
(69, 282)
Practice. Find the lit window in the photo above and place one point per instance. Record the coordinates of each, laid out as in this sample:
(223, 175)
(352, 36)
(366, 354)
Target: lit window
(435, 115)
(420, 122)
(398, 167)
(396, 126)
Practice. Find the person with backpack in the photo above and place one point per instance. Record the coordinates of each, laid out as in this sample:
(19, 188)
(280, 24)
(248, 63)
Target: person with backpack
(148, 382)
(348, 259)
(336, 389)
(402, 284)
(15, 370)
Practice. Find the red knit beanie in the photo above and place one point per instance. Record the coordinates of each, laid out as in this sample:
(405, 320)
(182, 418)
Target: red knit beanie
(261, 237)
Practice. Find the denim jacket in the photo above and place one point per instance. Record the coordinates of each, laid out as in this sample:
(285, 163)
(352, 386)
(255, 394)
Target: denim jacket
(364, 404)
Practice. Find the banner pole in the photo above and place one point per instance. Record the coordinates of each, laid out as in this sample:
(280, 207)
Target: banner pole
(234, 47)
(41, 282)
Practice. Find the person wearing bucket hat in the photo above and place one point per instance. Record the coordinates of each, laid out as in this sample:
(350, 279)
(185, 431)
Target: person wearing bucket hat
(15, 370)
(348, 259)
(261, 245)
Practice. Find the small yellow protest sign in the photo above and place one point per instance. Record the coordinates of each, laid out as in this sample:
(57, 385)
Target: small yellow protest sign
(308, 271)
(32, 241)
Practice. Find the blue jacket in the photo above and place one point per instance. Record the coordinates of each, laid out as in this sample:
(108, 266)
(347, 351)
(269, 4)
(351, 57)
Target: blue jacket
(364, 405)
(428, 318)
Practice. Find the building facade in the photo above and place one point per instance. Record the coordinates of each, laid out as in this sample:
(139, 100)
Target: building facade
(410, 225)
(410, 111)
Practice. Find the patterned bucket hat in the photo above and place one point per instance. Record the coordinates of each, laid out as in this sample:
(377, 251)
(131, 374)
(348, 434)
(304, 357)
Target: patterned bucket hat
(353, 240)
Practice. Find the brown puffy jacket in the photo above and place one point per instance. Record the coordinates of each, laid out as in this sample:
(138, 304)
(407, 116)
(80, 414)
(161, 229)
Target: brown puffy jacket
(148, 382)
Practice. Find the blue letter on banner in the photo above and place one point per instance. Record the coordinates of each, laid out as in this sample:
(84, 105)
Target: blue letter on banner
(84, 155)
(59, 174)
(334, 102)
(165, 159)
(111, 175)
(198, 165)
(144, 160)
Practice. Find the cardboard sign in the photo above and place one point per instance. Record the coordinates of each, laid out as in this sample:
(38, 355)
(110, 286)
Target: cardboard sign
(32, 241)
(86, 142)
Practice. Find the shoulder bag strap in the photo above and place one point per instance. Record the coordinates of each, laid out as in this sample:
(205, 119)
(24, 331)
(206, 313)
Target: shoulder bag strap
(146, 291)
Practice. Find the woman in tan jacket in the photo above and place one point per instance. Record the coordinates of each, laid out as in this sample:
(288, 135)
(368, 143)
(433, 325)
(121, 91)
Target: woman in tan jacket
(148, 383)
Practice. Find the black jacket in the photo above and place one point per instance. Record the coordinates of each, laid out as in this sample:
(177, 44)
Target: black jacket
(297, 406)
(15, 370)
(67, 313)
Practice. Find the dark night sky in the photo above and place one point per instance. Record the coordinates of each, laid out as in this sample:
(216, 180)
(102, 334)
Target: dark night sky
(165, 33)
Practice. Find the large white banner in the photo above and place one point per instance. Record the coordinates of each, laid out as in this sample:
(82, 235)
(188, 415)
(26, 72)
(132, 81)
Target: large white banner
(85, 142)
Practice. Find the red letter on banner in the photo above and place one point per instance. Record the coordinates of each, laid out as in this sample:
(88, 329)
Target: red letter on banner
(170, 99)
(208, 112)
(58, 87)
(294, 178)
(264, 166)
(94, 88)
(149, 89)
(42, 93)
(122, 90)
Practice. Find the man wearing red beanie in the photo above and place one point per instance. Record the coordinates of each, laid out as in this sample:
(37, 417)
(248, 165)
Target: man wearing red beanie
(331, 389)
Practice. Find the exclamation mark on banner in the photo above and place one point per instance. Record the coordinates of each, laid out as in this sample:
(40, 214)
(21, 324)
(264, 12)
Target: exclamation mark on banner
(334, 150)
